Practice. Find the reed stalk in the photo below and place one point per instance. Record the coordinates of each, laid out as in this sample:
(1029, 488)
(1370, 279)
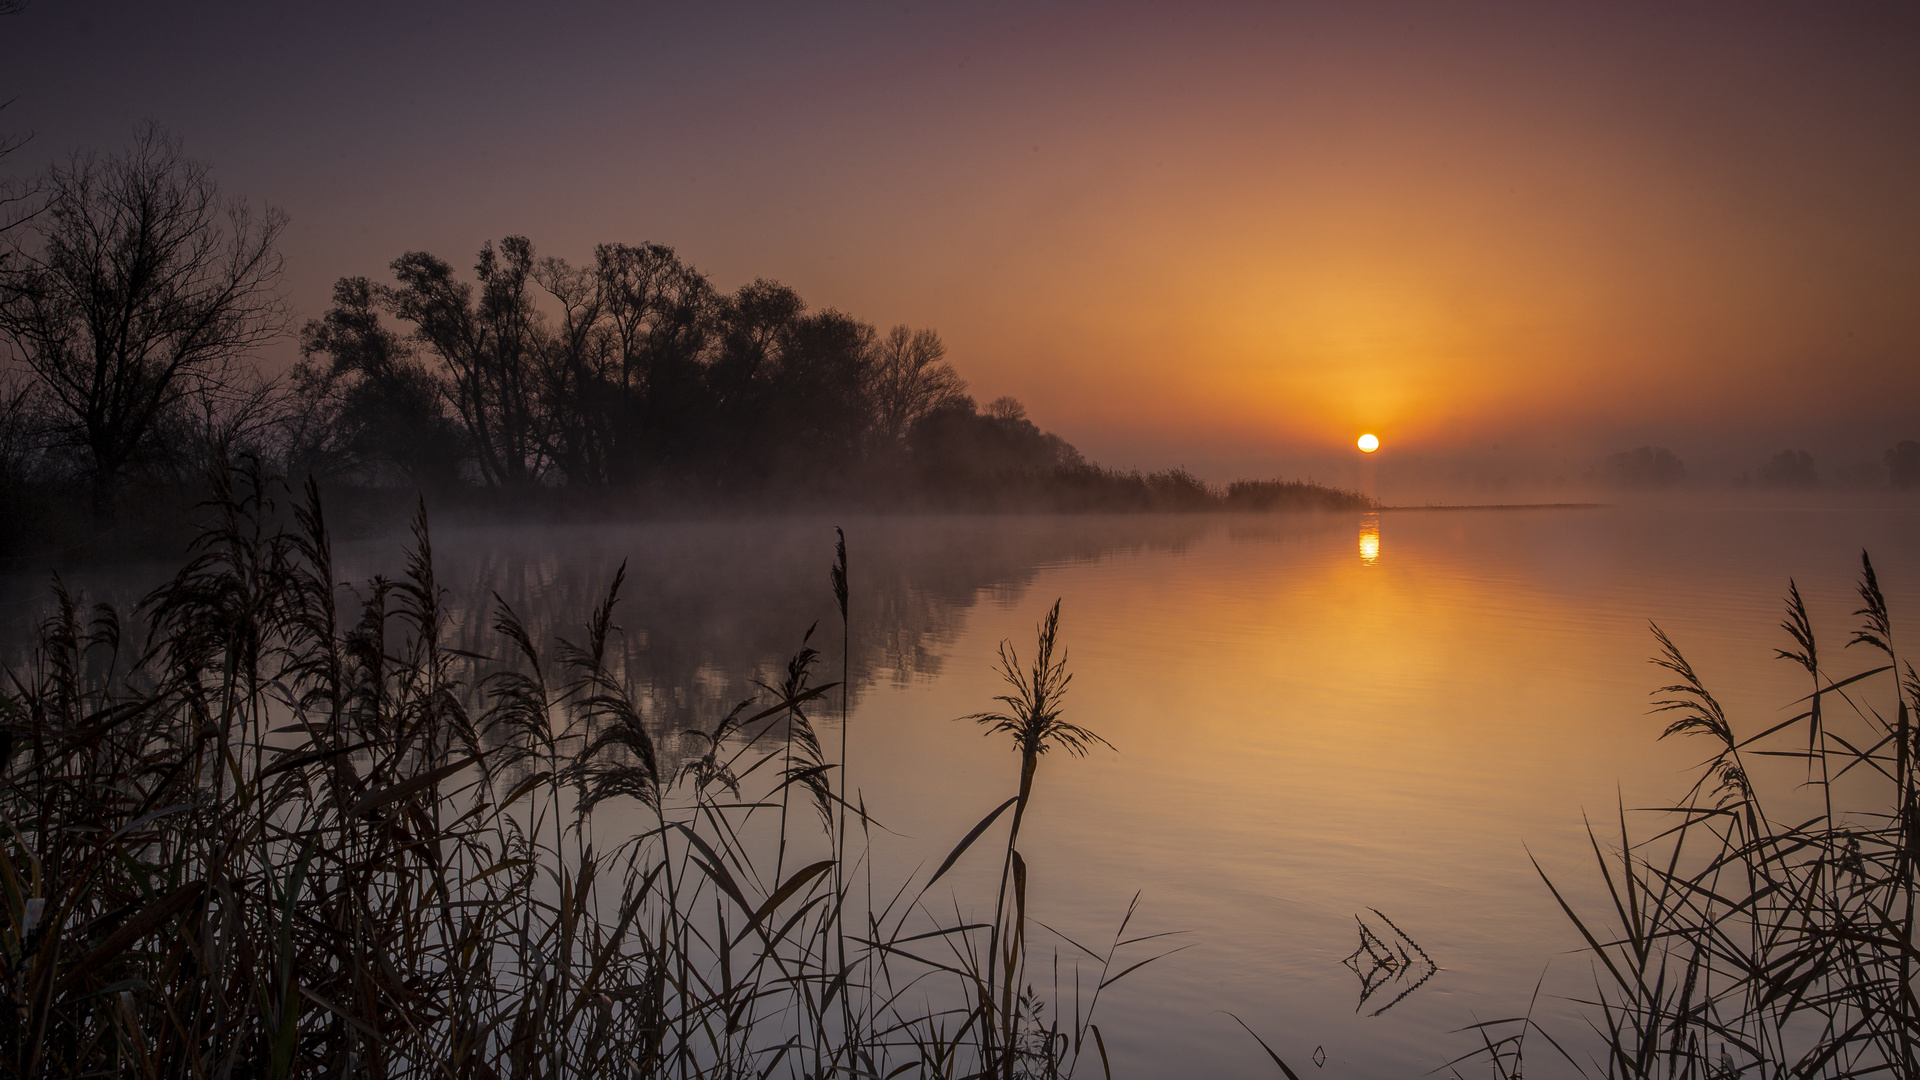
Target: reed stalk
(294, 832)
(1741, 944)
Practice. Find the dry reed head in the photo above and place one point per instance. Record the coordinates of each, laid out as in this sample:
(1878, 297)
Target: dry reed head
(1746, 946)
(1032, 714)
(280, 840)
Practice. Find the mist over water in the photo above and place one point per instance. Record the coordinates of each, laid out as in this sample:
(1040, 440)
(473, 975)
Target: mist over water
(1315, 716)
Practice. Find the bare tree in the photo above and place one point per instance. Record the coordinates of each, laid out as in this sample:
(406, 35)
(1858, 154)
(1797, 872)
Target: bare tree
(364, 403)
(622, 357)
(910, 379)
(576, 368)
(493, 347)
(1006, 408)
(660, 310)
(134, 287)
(17, 198)
(663, 316)
(19, 438)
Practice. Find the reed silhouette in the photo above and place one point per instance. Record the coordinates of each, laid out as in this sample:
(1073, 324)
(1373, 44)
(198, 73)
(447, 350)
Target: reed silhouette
(289, 830)
(1739, 943)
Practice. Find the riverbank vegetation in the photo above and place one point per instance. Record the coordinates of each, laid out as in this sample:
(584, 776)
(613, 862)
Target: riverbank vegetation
(269, 825)
(1767, 925)
(136, 301)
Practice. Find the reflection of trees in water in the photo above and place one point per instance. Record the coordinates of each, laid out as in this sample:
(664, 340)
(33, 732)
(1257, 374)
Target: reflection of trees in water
(709, 609)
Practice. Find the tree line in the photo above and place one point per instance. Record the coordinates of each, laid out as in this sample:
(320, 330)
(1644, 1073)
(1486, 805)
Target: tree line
(1659, 467)
(631, 369)
(135, 299)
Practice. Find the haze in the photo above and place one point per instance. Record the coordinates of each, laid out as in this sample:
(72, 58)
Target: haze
(1503, 236)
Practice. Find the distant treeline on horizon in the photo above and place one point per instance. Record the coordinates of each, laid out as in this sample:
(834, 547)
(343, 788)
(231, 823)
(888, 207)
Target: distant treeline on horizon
(1658, 467)
(134, 298)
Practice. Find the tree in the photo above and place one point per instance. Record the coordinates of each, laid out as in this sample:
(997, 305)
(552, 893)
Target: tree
(954, 443)
(1006, 409)
(579, 369)
(492, 350)
(910, 379)
(788, 388)
(372, 405)
(134, 287)
(756, 324)
(663, 315)
(1789, 468)
(1646, 467)
(824, 413)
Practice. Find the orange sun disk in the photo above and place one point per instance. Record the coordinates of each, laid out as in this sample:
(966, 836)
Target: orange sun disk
(1369, 443)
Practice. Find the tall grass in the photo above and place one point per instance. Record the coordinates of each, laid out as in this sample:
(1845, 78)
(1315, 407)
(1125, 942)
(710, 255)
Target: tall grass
(290, 831)
(1745, 940)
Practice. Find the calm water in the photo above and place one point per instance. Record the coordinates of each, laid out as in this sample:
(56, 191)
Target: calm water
(1315, 718)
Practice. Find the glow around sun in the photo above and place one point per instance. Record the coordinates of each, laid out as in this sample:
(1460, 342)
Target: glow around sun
(1369, 443)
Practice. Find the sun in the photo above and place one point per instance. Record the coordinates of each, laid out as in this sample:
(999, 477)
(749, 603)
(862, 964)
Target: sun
(1369, 443)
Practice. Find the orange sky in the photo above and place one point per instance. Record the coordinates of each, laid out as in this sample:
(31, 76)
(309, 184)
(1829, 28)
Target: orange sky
(1230, 237)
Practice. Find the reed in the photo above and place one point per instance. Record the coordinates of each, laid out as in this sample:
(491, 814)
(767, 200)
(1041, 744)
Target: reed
(1740, 942)
(291, 831)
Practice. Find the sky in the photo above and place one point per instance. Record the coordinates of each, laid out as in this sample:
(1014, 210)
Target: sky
(1506, 237)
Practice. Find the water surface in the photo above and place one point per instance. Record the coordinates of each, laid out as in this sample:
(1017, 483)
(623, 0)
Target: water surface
(1316, 718)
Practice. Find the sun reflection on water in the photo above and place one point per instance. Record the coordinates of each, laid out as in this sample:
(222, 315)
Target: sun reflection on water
(1369, 541)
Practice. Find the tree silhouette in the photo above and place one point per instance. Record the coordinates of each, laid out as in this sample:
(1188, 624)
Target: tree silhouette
(1789, 468)
(660, 314)
(1645, 467)
(910, 379)
(1006, 409)
(635, 371)
(372, 405)
(490, 346)
(135, 286)
(956, 446)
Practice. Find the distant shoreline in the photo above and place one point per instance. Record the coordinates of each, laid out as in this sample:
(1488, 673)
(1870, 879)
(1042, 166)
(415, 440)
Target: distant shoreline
(1504, 506)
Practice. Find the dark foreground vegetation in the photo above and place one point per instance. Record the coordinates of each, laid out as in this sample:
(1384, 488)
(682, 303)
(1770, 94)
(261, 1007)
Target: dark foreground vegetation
(1763, 934)
(135, 300)
(287, 830)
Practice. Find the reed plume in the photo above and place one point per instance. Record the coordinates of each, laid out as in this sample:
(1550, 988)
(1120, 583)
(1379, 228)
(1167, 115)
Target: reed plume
(291, 831)
(1032, 718)
(1747, 946)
